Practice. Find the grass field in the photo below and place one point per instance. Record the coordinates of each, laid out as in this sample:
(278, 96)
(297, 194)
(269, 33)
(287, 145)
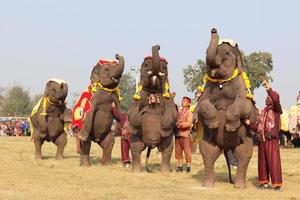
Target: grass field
(21, 177)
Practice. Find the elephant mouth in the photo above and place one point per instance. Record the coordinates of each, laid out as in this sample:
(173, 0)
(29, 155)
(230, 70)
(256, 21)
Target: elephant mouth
(114, 79)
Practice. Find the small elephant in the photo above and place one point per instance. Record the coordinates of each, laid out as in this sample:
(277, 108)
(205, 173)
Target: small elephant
(225, 109)
(97, 122)
(152, 115)
(49, 117)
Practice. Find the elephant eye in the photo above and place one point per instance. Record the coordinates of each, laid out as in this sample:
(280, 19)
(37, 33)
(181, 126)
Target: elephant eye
(161, 73)
(149, 72)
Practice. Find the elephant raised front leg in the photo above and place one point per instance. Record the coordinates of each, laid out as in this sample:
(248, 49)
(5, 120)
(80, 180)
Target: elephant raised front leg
(210, 153)
(107, 145)
(240, 109)
(85, 153)
(208, 113)
(243, 154)
(166, 148)
(136, 149)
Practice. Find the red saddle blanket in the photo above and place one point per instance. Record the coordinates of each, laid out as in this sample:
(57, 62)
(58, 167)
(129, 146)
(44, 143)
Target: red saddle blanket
(80, 109)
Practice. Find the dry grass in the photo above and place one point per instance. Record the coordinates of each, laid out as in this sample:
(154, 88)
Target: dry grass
(22, 177)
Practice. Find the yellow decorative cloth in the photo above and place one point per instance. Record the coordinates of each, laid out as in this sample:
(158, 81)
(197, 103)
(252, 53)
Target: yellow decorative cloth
(284, 121)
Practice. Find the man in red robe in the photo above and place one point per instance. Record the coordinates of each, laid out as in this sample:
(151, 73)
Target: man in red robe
(122, 120)
(269, 164)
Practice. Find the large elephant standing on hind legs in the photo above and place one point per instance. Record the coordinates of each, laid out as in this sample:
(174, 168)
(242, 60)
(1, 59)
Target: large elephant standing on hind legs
(226, 109)
(152, 115)
(96, 103)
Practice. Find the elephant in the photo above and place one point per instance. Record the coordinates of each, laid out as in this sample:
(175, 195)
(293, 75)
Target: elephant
(152, 114)
(49, 118)
(226, 109)
(96, 126)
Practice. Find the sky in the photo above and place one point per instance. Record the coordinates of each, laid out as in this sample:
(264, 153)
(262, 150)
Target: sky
(40, 40)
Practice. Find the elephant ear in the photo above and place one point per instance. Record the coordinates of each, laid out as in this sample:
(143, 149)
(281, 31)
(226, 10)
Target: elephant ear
(93, 77)
(46, 92)
(239, 60)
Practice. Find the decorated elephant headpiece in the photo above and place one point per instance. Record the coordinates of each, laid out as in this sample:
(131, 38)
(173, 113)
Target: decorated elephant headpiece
(154, 74)
(108, 72)
(224, 62)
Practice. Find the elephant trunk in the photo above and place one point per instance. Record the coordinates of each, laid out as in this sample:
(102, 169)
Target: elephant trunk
(212, 49)
(120, 66)
(155, 59)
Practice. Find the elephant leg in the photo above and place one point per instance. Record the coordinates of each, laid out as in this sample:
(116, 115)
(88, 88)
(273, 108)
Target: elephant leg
(210, 153)
(38, 145)
(60, 142)
(107, 146)
(166, 148)
(209, 114)
(85, 153)
(136, 149)
(243, 154)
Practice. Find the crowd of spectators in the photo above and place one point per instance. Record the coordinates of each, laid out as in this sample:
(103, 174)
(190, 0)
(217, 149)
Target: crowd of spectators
(14, 126)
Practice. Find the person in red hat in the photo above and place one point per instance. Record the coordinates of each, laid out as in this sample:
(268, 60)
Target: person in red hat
(269, 164)
(183, 139)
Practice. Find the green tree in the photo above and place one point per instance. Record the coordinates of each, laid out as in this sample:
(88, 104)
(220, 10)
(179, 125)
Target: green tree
(127, 87)
(193, 75)
(35, 99)
(258, 66)
(17, 102)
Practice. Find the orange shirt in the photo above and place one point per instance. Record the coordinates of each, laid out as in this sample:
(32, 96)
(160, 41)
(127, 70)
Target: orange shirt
(185, 119)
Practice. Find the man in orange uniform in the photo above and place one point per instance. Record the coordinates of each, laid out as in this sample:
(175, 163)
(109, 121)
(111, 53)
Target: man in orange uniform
(183, 139)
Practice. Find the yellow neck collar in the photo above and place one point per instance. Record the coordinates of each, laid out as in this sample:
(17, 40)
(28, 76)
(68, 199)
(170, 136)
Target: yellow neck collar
(45, 100)
(166, 93)
(215, 80)
(244, 76)
(98, 84)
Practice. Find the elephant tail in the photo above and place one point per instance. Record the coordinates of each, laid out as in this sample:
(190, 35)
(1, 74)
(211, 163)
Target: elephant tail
(228, 165)
(147, 158)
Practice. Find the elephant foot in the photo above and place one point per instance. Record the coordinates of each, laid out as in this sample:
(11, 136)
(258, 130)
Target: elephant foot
(211, 123)
(208, 184)
(240, 185)
(232, 126)
(38, 156)
(106, 162)
(136, 169)
(165, 169)
(59, 157)
(85, 161)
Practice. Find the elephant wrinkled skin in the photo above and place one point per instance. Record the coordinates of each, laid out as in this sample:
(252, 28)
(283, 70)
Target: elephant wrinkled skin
(224, 109)
(152, 117)
(49, 119)
(105, 77)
